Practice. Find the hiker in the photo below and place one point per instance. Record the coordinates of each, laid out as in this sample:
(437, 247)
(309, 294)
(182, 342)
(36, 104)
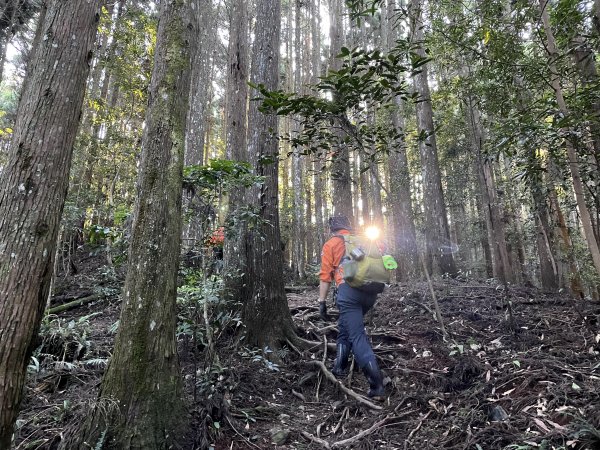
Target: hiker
(353, 304)
(216, 242)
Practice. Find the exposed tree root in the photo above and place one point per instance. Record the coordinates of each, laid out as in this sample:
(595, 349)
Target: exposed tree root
(331, 377)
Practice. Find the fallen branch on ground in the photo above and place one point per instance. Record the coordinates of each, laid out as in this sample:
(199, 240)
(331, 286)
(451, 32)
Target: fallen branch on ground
(352, 440)
(331, 377)
(72, 305)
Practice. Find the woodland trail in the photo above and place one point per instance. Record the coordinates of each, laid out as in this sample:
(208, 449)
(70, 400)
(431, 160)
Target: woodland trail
(532, 383)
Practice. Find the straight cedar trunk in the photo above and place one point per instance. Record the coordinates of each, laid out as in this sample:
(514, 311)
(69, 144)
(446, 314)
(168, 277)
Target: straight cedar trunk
(437, 232)
(195, 139)
(143, 380)
(317, 168)
(34, 185)
(340, 168)
(501, 265)
(399, 200)
(236, 116)
(299, 258)
(578, 187)
(265, 311)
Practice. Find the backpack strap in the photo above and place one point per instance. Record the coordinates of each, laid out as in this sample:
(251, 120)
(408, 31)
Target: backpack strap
(343, 238)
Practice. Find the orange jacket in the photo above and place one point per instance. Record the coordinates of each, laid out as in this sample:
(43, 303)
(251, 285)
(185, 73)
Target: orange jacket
(331, 256)
(218, 237)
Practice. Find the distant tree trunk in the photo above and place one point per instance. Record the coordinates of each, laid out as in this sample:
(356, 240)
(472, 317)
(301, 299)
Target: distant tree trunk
(236, 115)
(584, 213)
(265, 312)
(319, 192)
(596, 16)
(8, 11)
(376, 195)
(340, 169)
(33, 188)
(586, 64)
(297, 159)
(400, 201)
(363, 183)
(437, 232)
(548, 266)
(200, 85)
(143, 378)
(491, 204)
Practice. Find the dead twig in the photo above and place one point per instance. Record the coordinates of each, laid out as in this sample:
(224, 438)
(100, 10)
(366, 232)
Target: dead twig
(362, 434)
(421, 305)
(347, 391)
(438, 312)
(352, 440)
(345, 413)
(417, 428)
(299, 395)
(246, 440)
(322, 442)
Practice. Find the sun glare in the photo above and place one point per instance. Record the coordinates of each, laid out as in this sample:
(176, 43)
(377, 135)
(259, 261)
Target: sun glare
(372, 233)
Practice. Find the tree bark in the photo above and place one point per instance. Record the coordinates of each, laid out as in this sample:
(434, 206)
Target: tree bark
(437, 232)
(400, 200)
(236, 115)
(198, 117)
(340, 168)
(317, 164)
(143, 378)
(265, 312)
(299, 258)
(34, 186)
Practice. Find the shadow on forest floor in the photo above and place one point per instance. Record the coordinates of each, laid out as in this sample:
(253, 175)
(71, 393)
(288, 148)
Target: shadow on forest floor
(533, 383)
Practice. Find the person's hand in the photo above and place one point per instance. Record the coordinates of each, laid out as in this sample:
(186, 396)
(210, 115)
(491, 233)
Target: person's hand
(323, 310)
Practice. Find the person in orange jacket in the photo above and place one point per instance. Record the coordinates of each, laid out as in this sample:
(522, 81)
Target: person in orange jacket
(353, 304)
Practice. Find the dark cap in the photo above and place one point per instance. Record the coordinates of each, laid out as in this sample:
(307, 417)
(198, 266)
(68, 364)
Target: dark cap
(337, 223)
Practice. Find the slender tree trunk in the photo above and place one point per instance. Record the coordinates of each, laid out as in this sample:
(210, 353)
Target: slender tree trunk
(195, 141)
(318, 165)
(437, 233)
(265, 312)
(33, 188)
(236, 115)
(340, 169)
(297, 159)
(584, 213)
(400, 201)
(143, 378)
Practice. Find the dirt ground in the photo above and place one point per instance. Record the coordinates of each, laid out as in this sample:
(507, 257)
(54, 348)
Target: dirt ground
(518, 369)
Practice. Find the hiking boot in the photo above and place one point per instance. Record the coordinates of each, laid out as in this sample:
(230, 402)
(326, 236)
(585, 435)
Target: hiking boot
(375, 379)
(340, 365)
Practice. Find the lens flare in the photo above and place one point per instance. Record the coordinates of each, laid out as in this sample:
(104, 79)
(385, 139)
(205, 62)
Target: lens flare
(373, 233)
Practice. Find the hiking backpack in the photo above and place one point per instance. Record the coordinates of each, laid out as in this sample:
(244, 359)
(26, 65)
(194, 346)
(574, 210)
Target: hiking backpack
(362, 265)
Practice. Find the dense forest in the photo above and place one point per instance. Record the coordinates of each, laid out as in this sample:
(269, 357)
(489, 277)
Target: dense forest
(167, 172)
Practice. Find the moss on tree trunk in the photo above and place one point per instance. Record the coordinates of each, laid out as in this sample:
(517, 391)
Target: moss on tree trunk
(140, 404)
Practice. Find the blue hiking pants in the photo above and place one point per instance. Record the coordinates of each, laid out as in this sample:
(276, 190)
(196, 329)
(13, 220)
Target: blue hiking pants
(353, 305)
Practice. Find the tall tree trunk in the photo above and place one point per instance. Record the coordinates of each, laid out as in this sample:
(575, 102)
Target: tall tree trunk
(297, 159)
(34, 186)
(400, 201)
(340, 169)
(236, 115)
(265, 312)
(195, 141)
(437, 233)
(317, 164)
(491, 204)
(143, 377)
(584, 213)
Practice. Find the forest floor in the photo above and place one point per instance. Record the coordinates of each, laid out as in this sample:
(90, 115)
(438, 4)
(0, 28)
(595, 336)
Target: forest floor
(523, 382)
